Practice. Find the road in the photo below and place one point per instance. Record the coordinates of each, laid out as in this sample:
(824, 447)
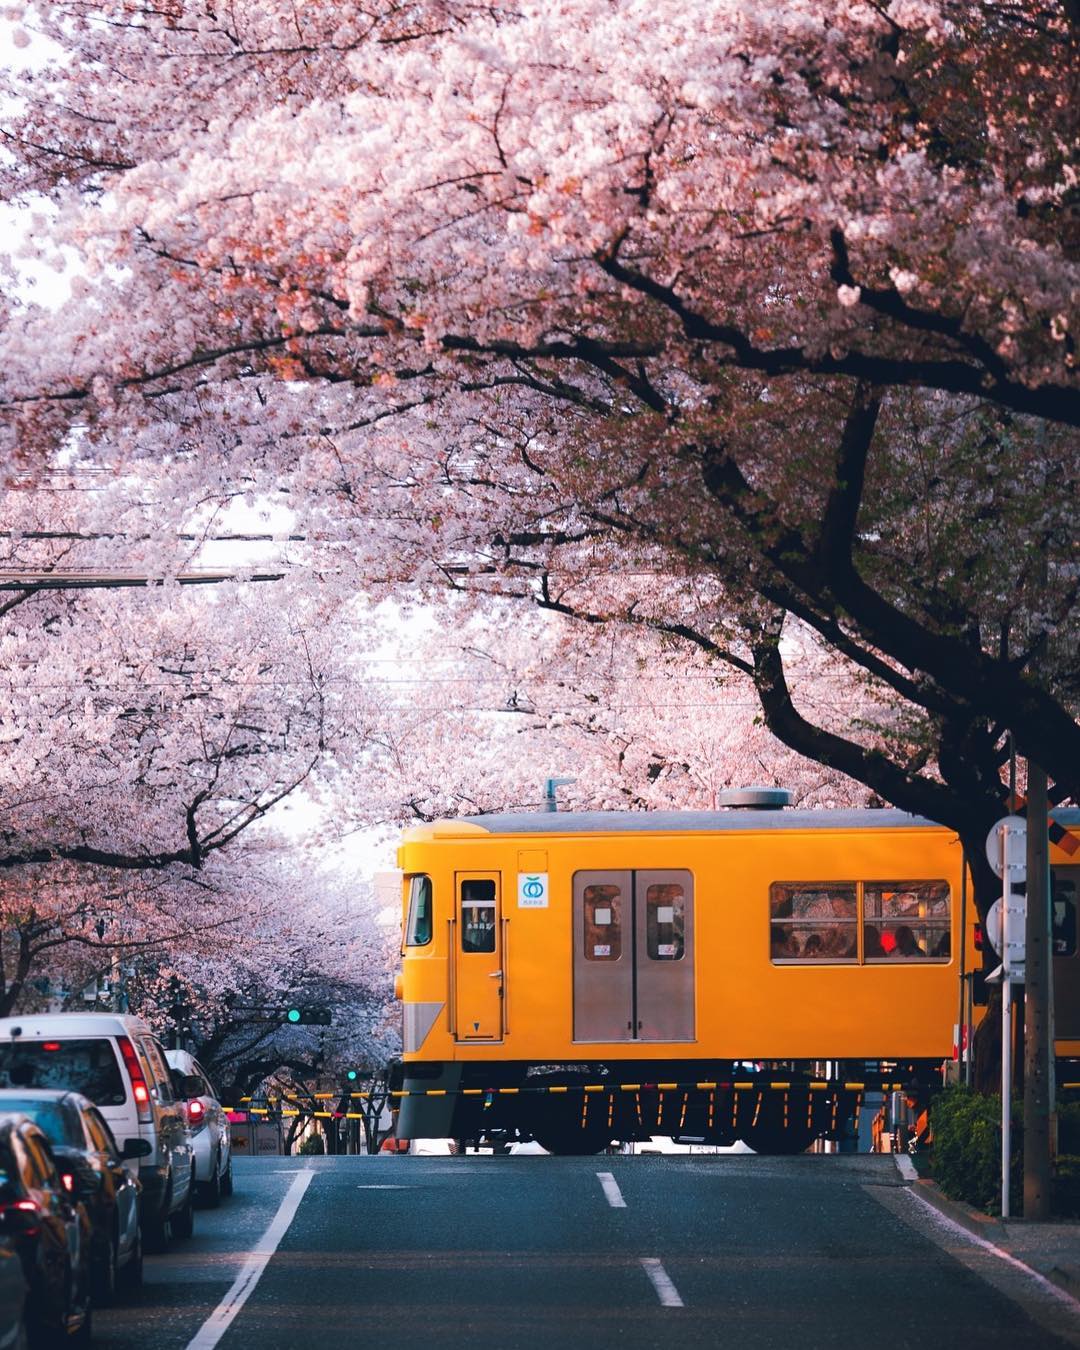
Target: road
(632, 1253)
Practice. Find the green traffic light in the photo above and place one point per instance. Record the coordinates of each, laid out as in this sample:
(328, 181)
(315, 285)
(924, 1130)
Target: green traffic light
(352, 1075)
(293, 1015)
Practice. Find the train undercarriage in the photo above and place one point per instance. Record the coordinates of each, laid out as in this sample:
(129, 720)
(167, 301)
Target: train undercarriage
(778, 1108)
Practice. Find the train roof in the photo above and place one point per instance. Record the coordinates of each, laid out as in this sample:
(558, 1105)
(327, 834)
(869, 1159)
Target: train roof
(682, 822)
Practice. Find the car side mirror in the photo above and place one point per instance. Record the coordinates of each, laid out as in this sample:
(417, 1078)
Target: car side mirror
(87, 1184)
(136, 1148)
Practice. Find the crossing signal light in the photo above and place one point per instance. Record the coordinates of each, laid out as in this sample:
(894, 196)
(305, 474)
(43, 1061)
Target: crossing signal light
(352, 1075)
(319, 1017)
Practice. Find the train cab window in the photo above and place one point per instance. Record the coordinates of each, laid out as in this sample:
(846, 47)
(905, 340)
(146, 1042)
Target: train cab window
(905, 920)
(418, 928)
(1064, 882)
(665, 922)
(478, 916)
(813, 921)
(603, 923)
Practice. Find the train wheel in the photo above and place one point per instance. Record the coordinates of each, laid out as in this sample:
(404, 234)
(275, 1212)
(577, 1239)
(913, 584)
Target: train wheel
(777, 1140)
(571, 1141)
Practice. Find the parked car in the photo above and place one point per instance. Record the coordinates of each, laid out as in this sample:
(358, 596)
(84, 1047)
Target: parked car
(209, 1125)
(13, 1332)
(92, 1169)
(49, 1229)
(119, 1065)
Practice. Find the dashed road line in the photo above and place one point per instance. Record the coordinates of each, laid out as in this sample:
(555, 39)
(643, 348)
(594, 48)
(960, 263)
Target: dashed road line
(611, 1190)
(661, 1282)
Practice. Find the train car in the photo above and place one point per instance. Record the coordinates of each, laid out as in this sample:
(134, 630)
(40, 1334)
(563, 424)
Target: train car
(584, 976)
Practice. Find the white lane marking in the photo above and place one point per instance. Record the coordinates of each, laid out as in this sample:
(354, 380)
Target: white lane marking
(1047, 1286)
(382, 1188)
(661, 1282)
(906, 1167)
(222, 1317)
(611, 1190)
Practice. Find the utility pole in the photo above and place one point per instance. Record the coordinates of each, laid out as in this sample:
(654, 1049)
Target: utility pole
(1038, 1003)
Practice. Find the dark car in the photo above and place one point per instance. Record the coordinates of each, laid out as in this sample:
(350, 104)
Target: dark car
(49, 1229)
(12, 1296)
(92, 1170)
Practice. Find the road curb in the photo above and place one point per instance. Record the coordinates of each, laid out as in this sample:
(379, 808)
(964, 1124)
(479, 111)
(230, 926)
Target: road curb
(993, 1231)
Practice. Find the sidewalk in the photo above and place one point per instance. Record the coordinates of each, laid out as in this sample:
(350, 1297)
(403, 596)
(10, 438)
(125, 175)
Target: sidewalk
(1050, 1249)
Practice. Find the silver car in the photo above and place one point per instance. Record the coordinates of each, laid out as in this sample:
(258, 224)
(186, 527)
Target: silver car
(209, 1125)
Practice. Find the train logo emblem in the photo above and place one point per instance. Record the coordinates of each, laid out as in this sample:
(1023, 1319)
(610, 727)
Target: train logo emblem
(532, 890)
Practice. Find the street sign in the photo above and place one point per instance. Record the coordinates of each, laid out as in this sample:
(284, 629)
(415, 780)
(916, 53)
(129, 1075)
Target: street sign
(1006, 847)
(1016, 913)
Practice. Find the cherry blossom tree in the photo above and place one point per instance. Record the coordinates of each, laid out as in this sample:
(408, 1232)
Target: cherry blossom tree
(733, 324)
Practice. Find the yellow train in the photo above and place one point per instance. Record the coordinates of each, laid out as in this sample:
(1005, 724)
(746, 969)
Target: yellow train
(741, 973)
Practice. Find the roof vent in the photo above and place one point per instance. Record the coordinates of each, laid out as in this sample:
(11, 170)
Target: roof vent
(756, 798)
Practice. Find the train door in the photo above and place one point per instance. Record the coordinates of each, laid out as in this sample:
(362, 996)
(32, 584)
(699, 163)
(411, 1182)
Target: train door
(603, 956)
(478, 974)
(664, 946)
(633, 956)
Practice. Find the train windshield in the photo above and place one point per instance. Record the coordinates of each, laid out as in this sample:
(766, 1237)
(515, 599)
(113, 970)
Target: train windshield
(418, 930)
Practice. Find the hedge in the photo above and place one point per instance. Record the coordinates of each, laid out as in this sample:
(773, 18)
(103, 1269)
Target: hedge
(967, 1152)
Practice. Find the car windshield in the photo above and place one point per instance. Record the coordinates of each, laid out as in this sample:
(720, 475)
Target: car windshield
(88, 1067)
(59, 1126)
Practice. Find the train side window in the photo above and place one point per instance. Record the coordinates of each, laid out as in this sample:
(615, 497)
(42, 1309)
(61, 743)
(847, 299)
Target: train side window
(477, 916)
(1064, 882)
(603, 923)
(418, 929)
(665, 922)
(906, 920)
(813, 921)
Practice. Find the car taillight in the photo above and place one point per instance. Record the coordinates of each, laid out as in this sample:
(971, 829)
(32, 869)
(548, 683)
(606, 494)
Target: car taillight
(25, 1211)
(50, 1045)
(196, 1112)
(978, 937)
(139, 1090)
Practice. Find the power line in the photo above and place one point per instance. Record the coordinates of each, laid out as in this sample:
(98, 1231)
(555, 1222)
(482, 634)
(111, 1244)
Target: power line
(28, 580)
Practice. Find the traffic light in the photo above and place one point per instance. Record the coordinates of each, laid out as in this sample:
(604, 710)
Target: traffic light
(320, 1017)
(352, 1075)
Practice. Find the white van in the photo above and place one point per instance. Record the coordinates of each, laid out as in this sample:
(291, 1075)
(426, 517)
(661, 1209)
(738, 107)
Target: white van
(119, 1064)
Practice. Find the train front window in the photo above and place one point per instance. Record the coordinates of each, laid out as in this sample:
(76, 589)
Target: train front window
(477, 916)
(906, 921)
(418, 929)
(603, 923)
(665, 921)
(813, 921)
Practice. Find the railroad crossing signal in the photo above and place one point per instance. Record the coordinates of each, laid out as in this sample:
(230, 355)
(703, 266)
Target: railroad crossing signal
(320, 1017)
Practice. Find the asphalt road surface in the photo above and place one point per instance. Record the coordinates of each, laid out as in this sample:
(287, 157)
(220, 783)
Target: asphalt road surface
(527, 1253)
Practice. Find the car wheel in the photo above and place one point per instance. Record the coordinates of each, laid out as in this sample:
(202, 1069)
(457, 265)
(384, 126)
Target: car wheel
(131, 1274)
(85, 1333)
(182, 1222)
(226, 1178)
(155, 1227)
(105, 1274)
(210, 1191)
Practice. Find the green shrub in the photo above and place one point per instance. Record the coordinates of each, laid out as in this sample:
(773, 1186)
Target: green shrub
(1066, 1192)
(967, 1149)
(1069, 1128)
(312, 1144)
